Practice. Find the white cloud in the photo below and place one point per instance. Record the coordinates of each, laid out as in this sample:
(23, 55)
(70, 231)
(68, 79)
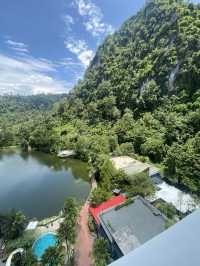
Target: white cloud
(69, 62)
(81, 50)
(28, 75)
(93, 18)
(76, 69)
(69, 21)
(17, 46)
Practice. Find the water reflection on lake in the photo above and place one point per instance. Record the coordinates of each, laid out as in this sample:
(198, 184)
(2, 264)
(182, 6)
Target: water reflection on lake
(38, 183)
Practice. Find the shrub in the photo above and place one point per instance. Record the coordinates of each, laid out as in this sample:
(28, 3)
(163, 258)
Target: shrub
(126, 148)
(167, 209)
(100, 252)
(98, 196)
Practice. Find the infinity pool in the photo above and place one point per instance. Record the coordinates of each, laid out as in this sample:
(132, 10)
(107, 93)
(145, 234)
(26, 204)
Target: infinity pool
(43, 243)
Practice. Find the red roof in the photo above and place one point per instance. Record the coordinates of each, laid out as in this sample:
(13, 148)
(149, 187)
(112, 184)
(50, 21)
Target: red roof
(106, 205)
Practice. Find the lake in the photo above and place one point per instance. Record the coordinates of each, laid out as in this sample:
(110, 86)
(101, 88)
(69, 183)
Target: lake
(38, 183)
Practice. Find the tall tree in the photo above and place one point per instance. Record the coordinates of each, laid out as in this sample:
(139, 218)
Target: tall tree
(67, 230)
(53, 256)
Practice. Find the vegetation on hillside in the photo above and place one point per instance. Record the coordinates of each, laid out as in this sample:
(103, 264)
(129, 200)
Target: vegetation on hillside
(140, 96)
(20, 115)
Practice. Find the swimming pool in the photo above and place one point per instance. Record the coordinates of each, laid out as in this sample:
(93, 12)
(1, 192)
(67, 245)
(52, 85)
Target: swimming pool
(43, 243)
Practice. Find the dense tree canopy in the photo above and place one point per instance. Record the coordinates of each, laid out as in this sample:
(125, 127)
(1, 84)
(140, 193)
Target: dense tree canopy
(12, 225)
(140, 96)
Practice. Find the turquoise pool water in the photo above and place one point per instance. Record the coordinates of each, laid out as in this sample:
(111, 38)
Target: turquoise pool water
(43, 243)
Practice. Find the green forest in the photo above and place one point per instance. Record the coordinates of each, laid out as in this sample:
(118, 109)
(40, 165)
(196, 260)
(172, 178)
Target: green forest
(140, 96)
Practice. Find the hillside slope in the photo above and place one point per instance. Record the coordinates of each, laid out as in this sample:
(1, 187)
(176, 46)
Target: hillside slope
(143, 86)
(26, 103)
(139, 97)
(22, 111)
(155, 53)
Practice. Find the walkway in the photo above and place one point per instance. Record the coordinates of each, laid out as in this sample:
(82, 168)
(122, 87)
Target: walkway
(9, 260)
(84, 241)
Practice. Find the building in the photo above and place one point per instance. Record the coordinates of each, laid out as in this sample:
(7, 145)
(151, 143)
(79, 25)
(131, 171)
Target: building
(129, 225)
(182, 201)
(129, 165)
(32, 226)
(132, 166)
(178, 245)
(113, 202)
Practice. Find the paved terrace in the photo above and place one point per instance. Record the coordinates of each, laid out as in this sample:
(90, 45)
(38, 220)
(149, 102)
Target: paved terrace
(131, 166)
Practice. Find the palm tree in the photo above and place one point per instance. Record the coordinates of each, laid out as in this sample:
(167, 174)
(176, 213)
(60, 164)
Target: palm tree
(67, 234)
(67, 230)
(70, 208)
(53, 256)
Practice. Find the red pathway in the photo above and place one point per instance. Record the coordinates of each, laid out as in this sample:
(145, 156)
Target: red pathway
(84, 240)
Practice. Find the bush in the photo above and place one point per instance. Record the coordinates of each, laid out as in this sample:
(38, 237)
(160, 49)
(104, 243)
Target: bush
(167, 209)
(100, 252)
(25, 241)
(98, 196)
(140, 184)
(154, 148)
(91, 224)
(126, 148)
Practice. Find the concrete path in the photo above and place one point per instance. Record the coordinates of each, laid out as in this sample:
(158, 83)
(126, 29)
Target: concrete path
(9, 260)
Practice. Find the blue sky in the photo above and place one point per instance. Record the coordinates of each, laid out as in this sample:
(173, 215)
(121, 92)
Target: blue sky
(46, 45)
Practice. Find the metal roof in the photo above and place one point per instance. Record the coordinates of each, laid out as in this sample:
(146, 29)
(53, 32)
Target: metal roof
(179, 245)
(182, 201)
(132, 225)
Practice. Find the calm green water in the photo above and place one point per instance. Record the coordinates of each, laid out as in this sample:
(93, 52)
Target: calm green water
(38, 183)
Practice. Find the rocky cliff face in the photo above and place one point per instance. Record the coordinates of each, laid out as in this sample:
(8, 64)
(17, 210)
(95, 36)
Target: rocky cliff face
(160, 44)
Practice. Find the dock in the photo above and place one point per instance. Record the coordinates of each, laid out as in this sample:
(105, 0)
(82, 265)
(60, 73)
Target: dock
(66, 153)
